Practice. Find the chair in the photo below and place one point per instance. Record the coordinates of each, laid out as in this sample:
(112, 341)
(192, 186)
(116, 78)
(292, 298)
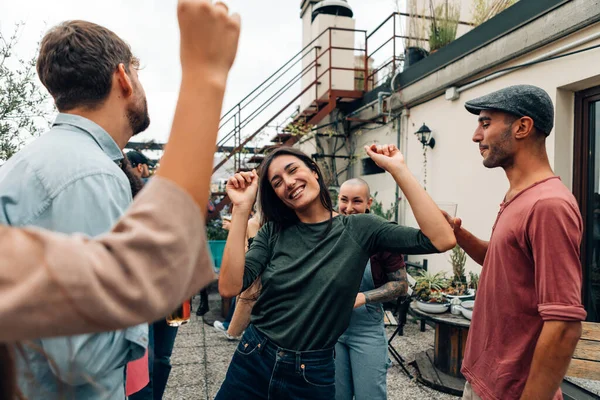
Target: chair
(401, 311)
(403, 302)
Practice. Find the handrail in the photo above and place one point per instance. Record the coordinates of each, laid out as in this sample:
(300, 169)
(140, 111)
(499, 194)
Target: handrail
(270, 81)
(263, 106)
(380, 25)
(253, 115)
(402, 14)
(286, 86)
(289, 61)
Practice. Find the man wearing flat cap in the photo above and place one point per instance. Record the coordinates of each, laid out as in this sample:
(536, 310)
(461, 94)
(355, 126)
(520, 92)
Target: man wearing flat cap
(528, 316)
(139, 164)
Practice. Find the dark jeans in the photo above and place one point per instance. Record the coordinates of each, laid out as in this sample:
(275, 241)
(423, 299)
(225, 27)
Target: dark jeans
(260, 369)
(162, 339)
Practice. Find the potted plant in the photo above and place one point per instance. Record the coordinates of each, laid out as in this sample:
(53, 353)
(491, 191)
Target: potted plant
(444, 25)
(428, 290)
(217, 237)
(486, 9)
(416, 31)
(473, 281)
(458, 287)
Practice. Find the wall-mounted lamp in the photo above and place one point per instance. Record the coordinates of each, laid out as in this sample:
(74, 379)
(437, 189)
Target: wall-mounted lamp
(424, 136)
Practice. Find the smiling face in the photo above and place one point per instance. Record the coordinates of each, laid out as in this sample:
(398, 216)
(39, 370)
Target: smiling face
(495, 138)
(354, 198)
(295, 184)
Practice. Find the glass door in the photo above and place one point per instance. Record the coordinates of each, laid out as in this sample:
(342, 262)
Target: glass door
(587, 190)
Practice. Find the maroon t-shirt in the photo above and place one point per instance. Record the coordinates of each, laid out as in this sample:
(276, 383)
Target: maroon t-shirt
(531, 274)
(384, 263)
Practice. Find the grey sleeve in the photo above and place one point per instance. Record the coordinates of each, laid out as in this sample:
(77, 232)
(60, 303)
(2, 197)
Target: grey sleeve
(377, 234)
(257, 256)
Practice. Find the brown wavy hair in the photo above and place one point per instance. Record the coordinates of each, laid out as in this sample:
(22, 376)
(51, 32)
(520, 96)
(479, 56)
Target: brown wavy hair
(273, 208)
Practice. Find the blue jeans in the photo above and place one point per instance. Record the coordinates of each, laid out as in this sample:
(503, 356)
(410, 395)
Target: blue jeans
(162, 339)
(361, 359)
(262, 370)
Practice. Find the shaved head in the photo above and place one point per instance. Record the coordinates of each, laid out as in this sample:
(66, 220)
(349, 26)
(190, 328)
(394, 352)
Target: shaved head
(358, 182)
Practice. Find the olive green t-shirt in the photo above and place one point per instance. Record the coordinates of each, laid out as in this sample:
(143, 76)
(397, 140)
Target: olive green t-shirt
(310, 279)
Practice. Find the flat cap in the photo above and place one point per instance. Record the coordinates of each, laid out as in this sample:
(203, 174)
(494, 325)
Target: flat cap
(135, 158)
(520, 100)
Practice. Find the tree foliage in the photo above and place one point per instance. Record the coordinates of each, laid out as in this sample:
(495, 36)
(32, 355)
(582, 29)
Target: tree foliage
(24, 110)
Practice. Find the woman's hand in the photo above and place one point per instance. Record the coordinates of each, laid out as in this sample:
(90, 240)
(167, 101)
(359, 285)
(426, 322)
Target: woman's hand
(241, 189)
(386, 156)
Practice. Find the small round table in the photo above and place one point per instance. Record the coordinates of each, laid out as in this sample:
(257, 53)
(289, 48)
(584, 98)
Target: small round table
(440, 368)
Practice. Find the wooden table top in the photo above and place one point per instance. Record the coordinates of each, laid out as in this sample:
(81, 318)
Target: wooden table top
(443, 318)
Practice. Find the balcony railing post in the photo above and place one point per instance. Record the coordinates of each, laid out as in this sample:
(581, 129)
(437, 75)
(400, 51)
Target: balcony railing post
(366, 63)
(330, 62)
(235, 139)
(316, 73)
(394, 45)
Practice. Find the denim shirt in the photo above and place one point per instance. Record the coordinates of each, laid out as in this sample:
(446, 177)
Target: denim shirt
(68, 181)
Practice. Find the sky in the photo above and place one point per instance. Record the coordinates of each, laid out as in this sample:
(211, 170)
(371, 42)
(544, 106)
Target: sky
(271, 34)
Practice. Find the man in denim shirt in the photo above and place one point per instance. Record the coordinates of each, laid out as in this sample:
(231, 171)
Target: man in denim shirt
(68, 180)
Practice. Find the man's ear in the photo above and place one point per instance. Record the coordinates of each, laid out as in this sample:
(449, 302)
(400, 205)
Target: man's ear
(369, 203)
(524, 127)
(140, 168)
(124, 81)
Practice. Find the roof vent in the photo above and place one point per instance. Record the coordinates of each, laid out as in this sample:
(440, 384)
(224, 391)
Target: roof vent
(332, 7)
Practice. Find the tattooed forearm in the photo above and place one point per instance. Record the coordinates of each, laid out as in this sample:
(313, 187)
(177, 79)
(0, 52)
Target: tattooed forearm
(396, 287)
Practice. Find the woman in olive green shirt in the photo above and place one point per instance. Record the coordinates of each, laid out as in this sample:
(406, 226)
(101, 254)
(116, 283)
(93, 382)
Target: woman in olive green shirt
(311, 261)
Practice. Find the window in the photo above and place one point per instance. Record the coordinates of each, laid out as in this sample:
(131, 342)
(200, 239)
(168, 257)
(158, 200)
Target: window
(370, 168)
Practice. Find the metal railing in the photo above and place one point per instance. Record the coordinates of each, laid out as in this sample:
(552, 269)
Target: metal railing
(241, 124)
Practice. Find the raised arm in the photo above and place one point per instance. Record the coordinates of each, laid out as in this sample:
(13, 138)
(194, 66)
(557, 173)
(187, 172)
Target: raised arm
(241, 189)
(208, 45)
(154, 257)
(427, 213)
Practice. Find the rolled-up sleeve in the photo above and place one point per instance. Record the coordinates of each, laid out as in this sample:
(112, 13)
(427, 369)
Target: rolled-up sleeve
(554, 232)
(155, 257)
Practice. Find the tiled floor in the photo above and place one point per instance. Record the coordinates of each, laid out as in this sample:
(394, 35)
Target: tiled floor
(201, 357)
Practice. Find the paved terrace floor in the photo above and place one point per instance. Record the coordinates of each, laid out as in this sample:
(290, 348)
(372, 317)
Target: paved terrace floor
(201, 357)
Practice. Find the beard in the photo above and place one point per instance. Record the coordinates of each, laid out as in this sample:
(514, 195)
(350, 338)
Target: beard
(138, 117)
(501, 153)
